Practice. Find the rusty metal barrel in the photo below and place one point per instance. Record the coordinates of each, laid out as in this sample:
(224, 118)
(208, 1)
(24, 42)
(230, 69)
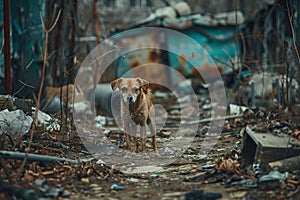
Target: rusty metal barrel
(107, 102)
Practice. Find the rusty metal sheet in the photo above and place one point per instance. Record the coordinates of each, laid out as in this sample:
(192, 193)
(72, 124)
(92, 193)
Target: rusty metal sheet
(217, 48)
(221, 48)
(139, 53)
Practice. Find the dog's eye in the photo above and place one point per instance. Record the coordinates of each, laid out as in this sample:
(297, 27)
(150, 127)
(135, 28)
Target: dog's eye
(135, 89)
(124, 89)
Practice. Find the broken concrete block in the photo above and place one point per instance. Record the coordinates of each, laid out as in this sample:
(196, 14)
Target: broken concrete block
(266, 147)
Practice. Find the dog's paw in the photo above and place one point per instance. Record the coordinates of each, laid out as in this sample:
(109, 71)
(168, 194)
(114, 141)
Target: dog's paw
(156, 153)
(127, 155)
(145, 156)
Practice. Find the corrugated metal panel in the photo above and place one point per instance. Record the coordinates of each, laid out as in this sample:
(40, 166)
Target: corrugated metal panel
(218, 42)
(138, 45)
(27, 39)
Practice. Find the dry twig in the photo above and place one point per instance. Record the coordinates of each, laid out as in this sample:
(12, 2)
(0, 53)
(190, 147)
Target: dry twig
(31, 131)
(293, 31)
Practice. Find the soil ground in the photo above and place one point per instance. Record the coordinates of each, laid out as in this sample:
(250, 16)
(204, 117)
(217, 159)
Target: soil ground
(191, 171)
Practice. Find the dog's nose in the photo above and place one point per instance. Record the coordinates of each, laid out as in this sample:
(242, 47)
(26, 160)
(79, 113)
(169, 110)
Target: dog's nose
(129, 99)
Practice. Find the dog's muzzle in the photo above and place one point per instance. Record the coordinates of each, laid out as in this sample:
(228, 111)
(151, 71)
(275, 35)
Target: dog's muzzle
(129, 98)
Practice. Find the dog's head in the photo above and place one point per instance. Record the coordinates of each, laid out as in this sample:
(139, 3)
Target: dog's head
(130, 88)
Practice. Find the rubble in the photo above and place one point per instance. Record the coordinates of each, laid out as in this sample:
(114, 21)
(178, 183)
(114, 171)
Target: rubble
(200, 194)
(288, 164)
(16, 123)
(230, 165)
(115, 186)
(272, 180)
(266, 145)
(267, 93)
(255, 153)
(48, 191)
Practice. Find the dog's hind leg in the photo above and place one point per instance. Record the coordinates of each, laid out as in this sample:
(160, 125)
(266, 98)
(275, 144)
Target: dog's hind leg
(127, 129)
(144, 139)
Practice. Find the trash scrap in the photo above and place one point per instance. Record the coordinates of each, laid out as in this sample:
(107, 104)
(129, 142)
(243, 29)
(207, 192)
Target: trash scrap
(247, 183)
(7, 102)
(46, 120)
(200, 194)
(290, 164)
(236, 109)
(164, 133)
(42, 189)
(18, 192)
(259, 143)
(208, 166)
(115, 186)
(230, 165)
(296, 134)
(12, 103)
(154, 176)
(272, 180)
(266, 92)
(47, 190)
(16, 123)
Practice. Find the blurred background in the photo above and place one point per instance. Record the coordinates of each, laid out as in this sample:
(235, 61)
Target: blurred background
(242, 36)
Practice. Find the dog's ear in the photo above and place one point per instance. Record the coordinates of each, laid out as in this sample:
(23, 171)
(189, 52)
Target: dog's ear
(115, 83)
(144, 84)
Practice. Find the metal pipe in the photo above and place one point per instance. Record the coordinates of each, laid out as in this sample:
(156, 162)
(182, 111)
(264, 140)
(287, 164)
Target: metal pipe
(215, 119)
(7, 59)
(33, 157)
(278, 91)
(252, 93)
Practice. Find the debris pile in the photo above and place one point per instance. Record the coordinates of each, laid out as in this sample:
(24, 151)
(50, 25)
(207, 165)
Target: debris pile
(58, 164)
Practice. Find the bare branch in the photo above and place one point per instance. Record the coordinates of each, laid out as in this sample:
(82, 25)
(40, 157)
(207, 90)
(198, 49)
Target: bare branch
(2, 46)
(27, 66)
(54, 23)
(23, 86)
(293, 31)
(31, 131)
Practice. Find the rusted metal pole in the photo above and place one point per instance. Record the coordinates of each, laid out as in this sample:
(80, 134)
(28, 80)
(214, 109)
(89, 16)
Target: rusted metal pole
(96, 22)
(7, 59)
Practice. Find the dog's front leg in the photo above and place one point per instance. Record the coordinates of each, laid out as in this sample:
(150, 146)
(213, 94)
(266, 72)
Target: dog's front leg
(127, 130)
(144, 139)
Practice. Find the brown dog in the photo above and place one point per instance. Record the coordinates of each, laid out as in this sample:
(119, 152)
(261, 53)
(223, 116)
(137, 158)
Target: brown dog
(136, 109)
